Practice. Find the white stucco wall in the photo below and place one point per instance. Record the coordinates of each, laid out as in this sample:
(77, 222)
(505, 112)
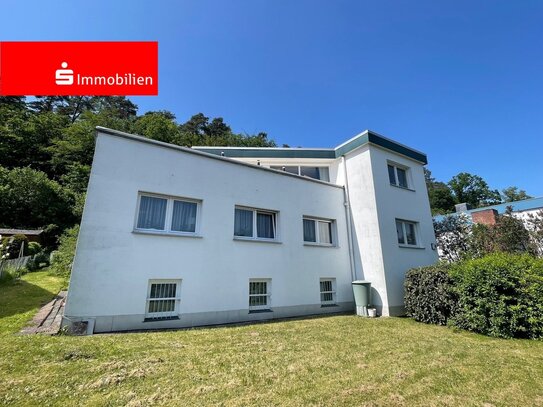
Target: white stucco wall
(113, 264)
(398, 203)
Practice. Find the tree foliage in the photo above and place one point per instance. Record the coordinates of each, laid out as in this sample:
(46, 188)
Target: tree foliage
(513, 194)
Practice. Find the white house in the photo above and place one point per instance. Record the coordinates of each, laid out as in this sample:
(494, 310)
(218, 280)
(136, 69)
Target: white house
(180, 237)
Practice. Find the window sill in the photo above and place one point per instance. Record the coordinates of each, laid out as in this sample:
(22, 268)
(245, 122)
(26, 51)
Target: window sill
(406, 246)
(404, 188)
(252, 239)
(159, 319)
(159, 233)
(330, 246)
(259, 311)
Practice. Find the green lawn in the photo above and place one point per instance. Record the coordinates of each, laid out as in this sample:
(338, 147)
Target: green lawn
(332, 361)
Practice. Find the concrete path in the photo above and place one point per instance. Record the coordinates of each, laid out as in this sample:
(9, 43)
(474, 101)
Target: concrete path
(47, 320)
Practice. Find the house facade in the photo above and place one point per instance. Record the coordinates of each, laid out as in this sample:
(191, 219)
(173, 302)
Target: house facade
(177, 237)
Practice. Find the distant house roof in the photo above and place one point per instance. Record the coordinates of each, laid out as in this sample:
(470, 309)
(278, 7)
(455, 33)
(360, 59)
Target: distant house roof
(25, 232)
(518, 206)
(365, 137)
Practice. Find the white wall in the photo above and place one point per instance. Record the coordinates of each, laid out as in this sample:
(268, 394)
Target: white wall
(113, 265)
(407, 204)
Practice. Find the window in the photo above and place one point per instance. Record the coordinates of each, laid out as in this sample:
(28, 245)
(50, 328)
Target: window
(255, 224)
(163, 299)
(328, 291)
(407, 232)
(167, 214)
(318, 231)
(321, 173)
(259, 294)
(397, 175)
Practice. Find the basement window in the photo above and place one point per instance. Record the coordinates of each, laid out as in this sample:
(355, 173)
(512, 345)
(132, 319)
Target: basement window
(259, 295)
(163, 299)
(328, 292)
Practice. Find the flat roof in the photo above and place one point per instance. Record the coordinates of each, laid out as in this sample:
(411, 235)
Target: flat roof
(365, 137)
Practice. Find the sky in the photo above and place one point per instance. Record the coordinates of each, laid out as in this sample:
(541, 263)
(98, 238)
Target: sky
(461, 81)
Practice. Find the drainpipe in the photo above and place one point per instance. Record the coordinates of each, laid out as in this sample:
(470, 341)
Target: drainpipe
(347, 205)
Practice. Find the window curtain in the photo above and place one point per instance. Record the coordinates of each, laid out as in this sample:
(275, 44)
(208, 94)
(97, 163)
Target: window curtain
(402, 177)
(152, 214)
(399, 232)
(325, 232)
(243, 223)
(410, 229)
(309, 231)
(391, 175)
(265, 225)
(184, 216)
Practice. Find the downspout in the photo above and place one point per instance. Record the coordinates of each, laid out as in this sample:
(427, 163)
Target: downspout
(347, 205)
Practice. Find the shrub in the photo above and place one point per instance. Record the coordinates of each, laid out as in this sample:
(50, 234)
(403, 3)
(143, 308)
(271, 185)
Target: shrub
(33, 248)
(429, 295)
(11, 246)
(39, 260)
(63, 258)
(500, 295)
(8, 274)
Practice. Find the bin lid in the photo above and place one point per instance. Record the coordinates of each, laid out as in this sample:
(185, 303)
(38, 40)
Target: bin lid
(361, 282)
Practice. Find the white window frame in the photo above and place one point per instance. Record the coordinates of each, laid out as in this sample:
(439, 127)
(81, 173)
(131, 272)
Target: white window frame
(396, 182)
(318, 242)
(266, 307)
(157, 316)
(169, 215)
(333, 292)
(300, 170)
(256, 211)
(404, 231)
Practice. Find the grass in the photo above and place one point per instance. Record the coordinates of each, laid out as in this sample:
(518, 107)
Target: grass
(332, 361)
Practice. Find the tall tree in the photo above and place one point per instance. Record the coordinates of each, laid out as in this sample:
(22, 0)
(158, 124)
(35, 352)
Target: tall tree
(513, 194)
(474, 190)
(439, 194)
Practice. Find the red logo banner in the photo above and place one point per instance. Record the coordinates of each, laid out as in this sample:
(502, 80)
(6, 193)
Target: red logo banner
(78, 68)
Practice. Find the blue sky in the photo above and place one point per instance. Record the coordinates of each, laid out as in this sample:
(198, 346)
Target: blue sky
(459, 80)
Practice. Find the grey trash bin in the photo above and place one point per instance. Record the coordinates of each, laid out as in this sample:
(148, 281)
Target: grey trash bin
(361, 290)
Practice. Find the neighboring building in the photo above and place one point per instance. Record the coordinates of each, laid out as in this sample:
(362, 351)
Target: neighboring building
(179, 237)
(488, 214)
(33, 235)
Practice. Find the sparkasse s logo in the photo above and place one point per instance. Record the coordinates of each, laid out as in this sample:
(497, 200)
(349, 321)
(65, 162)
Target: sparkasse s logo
(78, 68)
(64, 76)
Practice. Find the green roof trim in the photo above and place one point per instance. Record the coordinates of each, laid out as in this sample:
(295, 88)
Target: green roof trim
(269, 152)
(360, 140)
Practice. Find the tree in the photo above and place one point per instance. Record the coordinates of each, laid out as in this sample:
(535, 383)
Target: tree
(29, 199)
(513, 194)
(509, 235)
(159, 126)
(453, 236)
(474, 190)
(439, 194)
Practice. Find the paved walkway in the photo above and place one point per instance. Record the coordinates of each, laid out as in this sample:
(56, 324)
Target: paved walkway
(47, 320)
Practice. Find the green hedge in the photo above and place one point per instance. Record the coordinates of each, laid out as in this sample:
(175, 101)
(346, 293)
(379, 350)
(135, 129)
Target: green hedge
(429, 296)
(499, 295)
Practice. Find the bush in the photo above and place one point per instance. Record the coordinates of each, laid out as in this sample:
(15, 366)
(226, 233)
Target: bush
(11, 246)
(429, 295)
(63, 258)
(39, 260)
(500, 295)
(8, 274)
(33, 248)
